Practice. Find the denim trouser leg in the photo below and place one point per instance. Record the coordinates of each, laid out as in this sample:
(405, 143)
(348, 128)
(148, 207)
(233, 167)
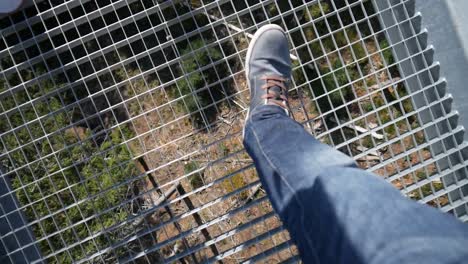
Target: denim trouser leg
(337, 213)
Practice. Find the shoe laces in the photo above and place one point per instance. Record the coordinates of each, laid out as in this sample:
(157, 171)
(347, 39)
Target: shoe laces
(275, 96)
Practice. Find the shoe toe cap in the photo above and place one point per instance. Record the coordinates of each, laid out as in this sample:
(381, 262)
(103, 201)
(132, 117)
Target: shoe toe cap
(271, 54)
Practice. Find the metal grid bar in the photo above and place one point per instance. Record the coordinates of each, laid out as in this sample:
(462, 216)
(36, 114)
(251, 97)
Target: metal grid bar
(120, 122)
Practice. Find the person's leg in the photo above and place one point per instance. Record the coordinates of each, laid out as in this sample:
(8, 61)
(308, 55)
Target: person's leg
(335, 212)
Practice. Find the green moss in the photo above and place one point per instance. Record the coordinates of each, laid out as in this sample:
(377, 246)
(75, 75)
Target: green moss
(223, 149)
(326, 140)
(367, 106)
(234, 183)
(297, 73)
(414, 195)
(390, 130)
(420, 138)
(421, 175)
(340, 38)
(316, 49)
(344, 38)
(371, 81)
(3, 85)
(309, 33)
(387, 52)
(407, 106)
(384, 116)
(378, 101)
(438, 186)
(196, 179)
(338, 79)
(195, 99)
(272, 10)
(426, 190)
(359, 52)
(196, 3)
(401, 90)
(367, 142)
(53, 165)
(327, 43)
(316, 11)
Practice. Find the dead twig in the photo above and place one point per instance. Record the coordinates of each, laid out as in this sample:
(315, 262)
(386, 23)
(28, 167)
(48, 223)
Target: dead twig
(198, 219)
(143, 167)
(162, 198)
(360, 129)
(371, 153)
(228, 122)
(388, 82)
(369, 158)
(226, 161)
(253, 192)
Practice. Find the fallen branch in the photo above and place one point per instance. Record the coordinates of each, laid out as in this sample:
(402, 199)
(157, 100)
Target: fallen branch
(167, 194)
(162, 198)
(364, 130)
(317, 125)
(238, 104)
(198, 219)
(378, 85)
(360, 129)
(225, 120)
(371, 153)
(254, 192)
(369, 158)
(227, 160)
(144, 168)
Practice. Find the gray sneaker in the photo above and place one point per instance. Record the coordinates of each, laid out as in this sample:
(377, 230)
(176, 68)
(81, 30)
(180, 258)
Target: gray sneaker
(268, 68)
(9, 6)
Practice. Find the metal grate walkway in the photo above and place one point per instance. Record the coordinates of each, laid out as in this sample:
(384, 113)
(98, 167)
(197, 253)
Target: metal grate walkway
(120, 123)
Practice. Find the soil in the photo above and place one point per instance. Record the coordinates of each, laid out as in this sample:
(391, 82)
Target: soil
(168, 141)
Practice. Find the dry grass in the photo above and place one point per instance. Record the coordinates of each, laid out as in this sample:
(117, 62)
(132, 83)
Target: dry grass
(167, 141)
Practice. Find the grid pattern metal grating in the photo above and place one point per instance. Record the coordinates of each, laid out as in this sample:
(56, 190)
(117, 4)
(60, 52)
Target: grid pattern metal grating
(120, 123)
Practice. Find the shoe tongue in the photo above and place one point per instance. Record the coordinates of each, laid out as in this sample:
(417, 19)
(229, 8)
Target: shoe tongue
(276, 90)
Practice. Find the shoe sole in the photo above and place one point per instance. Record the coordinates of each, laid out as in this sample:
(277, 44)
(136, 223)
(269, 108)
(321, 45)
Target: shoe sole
(249, 54)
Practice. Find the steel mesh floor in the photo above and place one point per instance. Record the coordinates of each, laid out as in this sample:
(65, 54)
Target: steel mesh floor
(120, 123)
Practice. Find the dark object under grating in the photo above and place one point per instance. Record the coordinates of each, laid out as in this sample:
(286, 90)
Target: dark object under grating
(120, 123)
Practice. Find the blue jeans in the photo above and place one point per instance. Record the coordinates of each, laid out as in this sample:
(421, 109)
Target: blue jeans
(338, 213)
